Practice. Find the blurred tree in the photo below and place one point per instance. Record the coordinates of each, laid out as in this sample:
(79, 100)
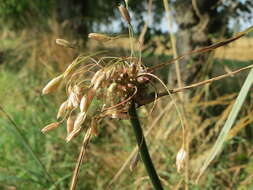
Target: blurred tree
(21, 13)
(201, 20)
(198, 21)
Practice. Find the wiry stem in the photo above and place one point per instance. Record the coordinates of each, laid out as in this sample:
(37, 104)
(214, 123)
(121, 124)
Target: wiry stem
(143, 148)
(80, 159)
(150, 98)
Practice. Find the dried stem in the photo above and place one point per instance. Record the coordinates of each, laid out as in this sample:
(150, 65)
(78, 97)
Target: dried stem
(203, 50)
(152, 96)
(143, 148)
(173, 45)
(80, 159)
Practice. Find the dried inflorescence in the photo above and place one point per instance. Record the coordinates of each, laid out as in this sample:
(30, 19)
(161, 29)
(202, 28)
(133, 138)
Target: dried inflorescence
(112, 83)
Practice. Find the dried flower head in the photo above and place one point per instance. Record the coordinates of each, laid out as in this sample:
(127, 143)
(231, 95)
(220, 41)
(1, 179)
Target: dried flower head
(113, 82)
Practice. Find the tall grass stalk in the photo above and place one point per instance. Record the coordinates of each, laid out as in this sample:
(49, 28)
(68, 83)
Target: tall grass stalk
(26, 144)
(229, 123)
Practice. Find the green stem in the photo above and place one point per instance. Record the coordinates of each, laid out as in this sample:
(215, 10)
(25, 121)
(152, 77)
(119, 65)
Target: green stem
(143, 148)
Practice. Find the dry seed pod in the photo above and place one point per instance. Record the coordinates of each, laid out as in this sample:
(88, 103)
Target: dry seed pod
(99, 80)
(62, 109)
(84, 104)
(50, 127)
(79, 120)
(94, 78)
(99, 37)
(64, 43)
(72, 135)
(52, 85)
(70, 68)
(124, 13)
(73, 100)
(181, 155)
(70, 124)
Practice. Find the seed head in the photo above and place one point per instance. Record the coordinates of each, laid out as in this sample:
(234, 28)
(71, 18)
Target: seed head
(79, 120)
(64, 43)
(52, 85)
(72, 135)
(124, 13)
(74, 98)
(50, 127)
(84, 104)
(70, 124)
(62, 109)
(99, 37)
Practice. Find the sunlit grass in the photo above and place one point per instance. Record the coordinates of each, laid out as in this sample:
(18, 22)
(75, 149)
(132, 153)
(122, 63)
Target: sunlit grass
(20, 97)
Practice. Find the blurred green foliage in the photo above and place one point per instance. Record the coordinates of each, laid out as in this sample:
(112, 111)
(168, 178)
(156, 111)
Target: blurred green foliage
(17, 13)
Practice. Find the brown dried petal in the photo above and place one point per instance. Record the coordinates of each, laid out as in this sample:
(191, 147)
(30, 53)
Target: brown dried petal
(52, 85)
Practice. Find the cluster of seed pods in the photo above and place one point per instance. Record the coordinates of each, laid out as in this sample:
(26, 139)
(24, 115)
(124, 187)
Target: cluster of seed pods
(115, 85)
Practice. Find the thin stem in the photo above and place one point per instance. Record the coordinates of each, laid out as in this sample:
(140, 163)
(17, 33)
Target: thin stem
(150, 98)
(143, 148)
(173, 45)
(82, 153)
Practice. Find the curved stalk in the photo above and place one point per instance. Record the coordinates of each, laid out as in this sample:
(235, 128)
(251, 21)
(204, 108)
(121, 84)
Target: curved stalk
(143, 148)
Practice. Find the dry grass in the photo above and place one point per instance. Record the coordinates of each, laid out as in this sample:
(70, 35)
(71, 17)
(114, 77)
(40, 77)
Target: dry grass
(108, 152)
(240, 50)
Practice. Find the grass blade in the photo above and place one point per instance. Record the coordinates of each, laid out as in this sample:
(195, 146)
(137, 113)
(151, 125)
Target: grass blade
(229, 123)
(25, 143)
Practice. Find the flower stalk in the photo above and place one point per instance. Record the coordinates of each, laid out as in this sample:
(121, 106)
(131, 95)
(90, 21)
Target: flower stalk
(143, 148)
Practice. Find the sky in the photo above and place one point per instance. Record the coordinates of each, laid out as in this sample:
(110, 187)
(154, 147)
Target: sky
(115, 26)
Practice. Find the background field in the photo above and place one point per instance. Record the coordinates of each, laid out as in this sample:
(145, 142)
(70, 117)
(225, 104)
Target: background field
(29, 58)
